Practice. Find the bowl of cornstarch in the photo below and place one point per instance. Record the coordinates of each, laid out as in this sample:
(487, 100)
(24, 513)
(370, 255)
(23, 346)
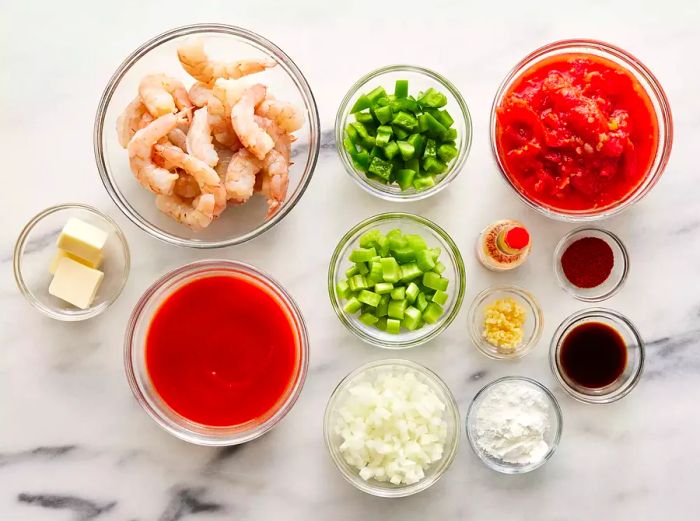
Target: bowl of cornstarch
(514, 425)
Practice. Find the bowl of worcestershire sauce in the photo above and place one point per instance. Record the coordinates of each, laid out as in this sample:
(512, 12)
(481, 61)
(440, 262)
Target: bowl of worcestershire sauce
(597, 355)
(216, 352)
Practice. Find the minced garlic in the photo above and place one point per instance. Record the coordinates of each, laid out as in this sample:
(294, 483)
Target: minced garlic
(503, 324)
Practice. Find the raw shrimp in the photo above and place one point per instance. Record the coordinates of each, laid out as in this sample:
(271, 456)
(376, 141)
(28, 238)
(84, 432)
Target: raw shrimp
(255, 139)
(156, 179)
(275, 180)
(206, 177)
(186, 186)
(225, 94)
(282, 140)
(240, 175)
(200, 94)
(197, 64)
(162, 94)
(225, 154)
(178, 137)
(197, 215)
(199, 138)
(286, 115)
(129, 121)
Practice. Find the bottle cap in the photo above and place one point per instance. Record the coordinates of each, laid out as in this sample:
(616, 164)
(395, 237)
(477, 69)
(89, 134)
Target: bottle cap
(517, 238)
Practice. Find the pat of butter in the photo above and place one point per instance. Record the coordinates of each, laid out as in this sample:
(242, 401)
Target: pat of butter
(75, 283)
(62, 254)
(83, 240)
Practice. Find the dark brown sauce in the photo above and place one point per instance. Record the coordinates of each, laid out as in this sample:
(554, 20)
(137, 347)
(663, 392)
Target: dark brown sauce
(593, 355)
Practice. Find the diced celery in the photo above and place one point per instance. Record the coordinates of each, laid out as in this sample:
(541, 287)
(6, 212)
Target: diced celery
(396, 241)
(383, 114)
(432, 313)
(391, 271)
(380, 168)
(357, 282)
(362, 254)
(405, 178)
(381, 324)
(362, 103)
(421, 183)
(421, 301)
(425, 260)
(412, 318)
(434, 281)
(398, 293)
(412, 291)
(436, 252)
(405, 121)
(393, 326)
(342, 289)
(405, 148)
(374, 95)
(368, 319)
(369, 239)
(401, 89)
(369, 297)
(391, 149)
(439, 297)
(362, 268)
(397, 309)
(415, 241)
(352, 306)
(383, 307)
(404, 255)
(351, 271)
(410, 271)
(375, 271)
(439, 267)
(383, 287)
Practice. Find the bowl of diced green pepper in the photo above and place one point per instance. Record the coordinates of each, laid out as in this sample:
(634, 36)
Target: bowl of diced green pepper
(396, 280)
(403, 132)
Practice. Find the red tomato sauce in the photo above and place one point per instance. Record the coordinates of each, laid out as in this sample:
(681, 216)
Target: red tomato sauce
(222, 351)
(576, 132)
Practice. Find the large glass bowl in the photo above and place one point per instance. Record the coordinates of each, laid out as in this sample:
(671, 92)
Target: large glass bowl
(238, 223)
(645, 78)
(137, 371)
(434, 237)
(419, 79)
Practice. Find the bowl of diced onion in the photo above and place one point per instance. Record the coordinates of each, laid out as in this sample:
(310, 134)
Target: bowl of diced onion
(391, 427)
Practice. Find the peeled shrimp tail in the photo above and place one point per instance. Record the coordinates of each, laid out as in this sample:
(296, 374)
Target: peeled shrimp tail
(163, 95)
(240, 176)
(197, 215)
(129, 121)
(286, 115)
(275, 181)
(198, 140)
(254, 138)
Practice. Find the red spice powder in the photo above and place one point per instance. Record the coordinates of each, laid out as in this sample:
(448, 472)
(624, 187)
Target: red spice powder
(587, 262)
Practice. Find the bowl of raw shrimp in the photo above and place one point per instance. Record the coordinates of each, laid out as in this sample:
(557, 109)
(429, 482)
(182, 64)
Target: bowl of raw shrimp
(206, 136)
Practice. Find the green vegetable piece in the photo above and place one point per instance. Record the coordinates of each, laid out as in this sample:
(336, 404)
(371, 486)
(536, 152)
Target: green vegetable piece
(381, 323)
(432, 313)
(433, 99)
(434, 281)
(342, 289)
(401, 89)
(351, 271)
(391, 149)
(413, 164)
(364, 118)
(380, 168)
(383, 114)
(450, 135)
(405, 178)
(397, 308)
(412, 291)
(425, 260)
(430, 149)
(375, 271)
(369, 297)
(383, 136)
(405, 121)
(351, 133)
(444, 117)
(360, 129)
(362, 103)
(376, 152)
(410, 271)
(439, 267)
(404, 255)
(383, 308)
(422, 183)
(447, 153)
(393, 326)
(431, 126)
(352, 306)
(407, 104)
(362, 254)
(421, 301)
(357, 282)
(396, 241)
(391, 271)
(400, 133)
(435, 252)
(418, 142)
(370, 238)
(375, 94)
(415, 241)
(412, 318)
(362, 268)
(398, 293)
(368, 319)
(439, 297)
(382, 288)
(407, 150)
(361, 160)
(434, 166)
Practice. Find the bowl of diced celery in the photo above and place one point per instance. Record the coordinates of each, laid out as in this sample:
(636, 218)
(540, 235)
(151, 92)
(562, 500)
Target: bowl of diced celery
(396, 280)
(403, 132)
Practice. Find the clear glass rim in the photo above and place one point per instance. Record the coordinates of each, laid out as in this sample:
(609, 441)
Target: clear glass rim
(571, 321)
(444, 464)
(559, 425)
(430, 334)
(106, 177)
(448, 177)
(474, 329)
(17, 264)
(655, 92)
(570, 288)
(219, 436)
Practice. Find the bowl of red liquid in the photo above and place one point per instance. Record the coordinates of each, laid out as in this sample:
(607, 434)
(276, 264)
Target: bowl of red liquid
(216, 352)
(581, 130)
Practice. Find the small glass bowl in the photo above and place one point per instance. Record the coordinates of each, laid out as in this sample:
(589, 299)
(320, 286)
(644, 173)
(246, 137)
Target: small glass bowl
(534, 321)
(552, 438)
(36, 247)
(617, 276)
(419, 79)
(238, 223)
(651, 86)
(635, 356)
(135, 355)
(368, 372)
(434, 236)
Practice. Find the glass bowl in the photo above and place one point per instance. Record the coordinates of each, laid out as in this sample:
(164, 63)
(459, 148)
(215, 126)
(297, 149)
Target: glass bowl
(36, 247)
(238, 223)
(419, 79)
(369, 372)
(645, 78)
(635, 356)
(552, 436)
(617, 276)
(135, 355)
(434, 237)
(532, 329)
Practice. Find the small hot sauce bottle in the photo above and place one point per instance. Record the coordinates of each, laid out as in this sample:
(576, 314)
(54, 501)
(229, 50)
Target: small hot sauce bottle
(503, 245)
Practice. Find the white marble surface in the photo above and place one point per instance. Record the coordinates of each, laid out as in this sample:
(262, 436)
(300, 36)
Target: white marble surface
(74, 445)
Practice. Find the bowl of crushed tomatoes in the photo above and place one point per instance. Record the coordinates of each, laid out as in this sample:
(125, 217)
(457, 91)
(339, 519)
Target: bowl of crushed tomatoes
(581, 130)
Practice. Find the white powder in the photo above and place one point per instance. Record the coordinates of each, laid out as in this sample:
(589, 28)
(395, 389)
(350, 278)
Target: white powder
(512, 422)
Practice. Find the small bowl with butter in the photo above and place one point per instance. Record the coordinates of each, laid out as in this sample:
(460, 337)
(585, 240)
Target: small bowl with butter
(71, 262)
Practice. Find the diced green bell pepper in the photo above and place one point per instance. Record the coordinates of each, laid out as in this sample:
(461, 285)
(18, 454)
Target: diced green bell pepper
(400, 133)
(391, 149)
(405, 178)
(380, 168)
(434, 166)
(405, 148)
(422, 183)
(383, 114)
(433, 99)
(405, 121)
(383, 137)
(362, 103)
(364, 118)
(375, 94)
(447, 153)
(401, 89)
